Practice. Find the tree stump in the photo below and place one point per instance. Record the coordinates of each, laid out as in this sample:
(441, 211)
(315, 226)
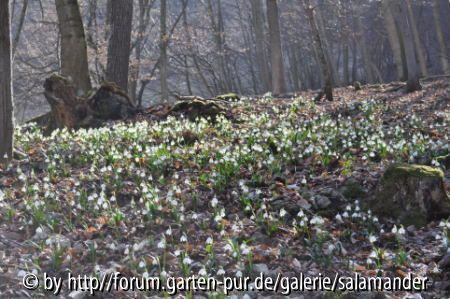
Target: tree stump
(412, 194)
(68, 110)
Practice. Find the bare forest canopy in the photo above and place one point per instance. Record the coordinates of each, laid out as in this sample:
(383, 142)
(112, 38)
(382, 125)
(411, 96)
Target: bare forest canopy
(211, 47)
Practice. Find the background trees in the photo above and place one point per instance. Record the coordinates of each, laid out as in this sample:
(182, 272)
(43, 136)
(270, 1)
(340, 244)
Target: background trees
(210, 46)
(6, 102)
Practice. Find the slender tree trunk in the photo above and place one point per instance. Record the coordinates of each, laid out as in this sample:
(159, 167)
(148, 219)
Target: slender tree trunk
(365, 52)
(119, 45)
(276, 53)
(258, 27)
(6, 98)
(321, 51)
(144, 16)
(219, 43)
(418, 45)
(74, 60)
(346, 64)
(413, 82)
(394, 39)
(354, 62)
(163, 52)
(440, 35)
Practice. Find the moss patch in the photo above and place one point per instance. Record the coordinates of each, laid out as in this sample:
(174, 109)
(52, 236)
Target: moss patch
(405, 170)
(231, 96)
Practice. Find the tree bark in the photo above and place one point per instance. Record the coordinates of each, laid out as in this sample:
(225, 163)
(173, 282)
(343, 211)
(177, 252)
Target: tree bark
(418, 45)
(321, 51)
(413, 83)
(276, 53)
(163, 41)
(119, 46)
(74, 60)
(6, 97)
(258, 27)
(440, 35)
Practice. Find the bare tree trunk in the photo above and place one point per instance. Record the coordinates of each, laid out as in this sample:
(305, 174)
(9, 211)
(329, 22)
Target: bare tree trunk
(220, 51)
(440, 35)
(144, 17)
(321, 51)
(394, 39)
(413, 82)
(365, 52)
(6, 99)
(418, 45)
(163, 40)
(258, 27)
(119, 46)
(74, 61)
(276, 53)
(346, 63)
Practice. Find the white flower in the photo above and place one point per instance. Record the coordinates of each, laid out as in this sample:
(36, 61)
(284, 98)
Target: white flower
(169, 231)
(202, 272)
(162, 244)
(221, 271)
(372, 238)
(282, 212)
(316, 220)
(209, 240)
(142, 264)
(214, 202)
(238, 273)
(187, 261)
(394, 229)
(300, 214)
(304, 181)
(228, 247)
(401, 230)
(183, 238)
(339, 218)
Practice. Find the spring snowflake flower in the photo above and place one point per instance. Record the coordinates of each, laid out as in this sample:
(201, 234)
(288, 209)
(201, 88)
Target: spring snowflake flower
(221, 271)
(301, 214)
(183, 238)
(209, 240)
(228, 248)
(394, 229)
(316, 220)
(162, 244)
(214, 202)
(169, 231)
(372, 238)
(187, 260)
(202, 272)
(142, 264)
(401, 230)
(339, 218)
(282, 212)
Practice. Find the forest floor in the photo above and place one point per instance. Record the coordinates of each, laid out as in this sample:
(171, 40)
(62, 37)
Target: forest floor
(280, 188)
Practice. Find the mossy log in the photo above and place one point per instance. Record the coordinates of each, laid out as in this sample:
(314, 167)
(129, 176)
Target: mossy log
(70, 111)
(412, 194)
(196, 108)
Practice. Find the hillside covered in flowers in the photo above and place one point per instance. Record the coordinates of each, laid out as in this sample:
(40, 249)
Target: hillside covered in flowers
(282, 186)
